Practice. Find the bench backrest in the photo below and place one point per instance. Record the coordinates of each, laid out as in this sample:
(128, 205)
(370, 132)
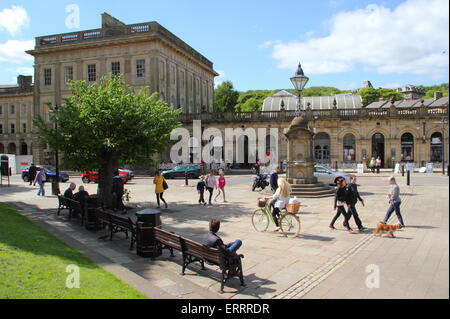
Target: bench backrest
(121, 221)
(103, 216)
(199, 250)
(167, 238)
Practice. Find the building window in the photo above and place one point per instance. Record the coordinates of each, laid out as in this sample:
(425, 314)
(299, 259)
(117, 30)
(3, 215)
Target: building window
(1, 128)
(12, 128)
(349, 148)
(12, 109)
(322, 147)
(115, 68)
(140, 68)
(92, 72)
(47, 76)
(24, 127)
(68, 74)
(436, 147)
(1, 110)
(23, 109)
(407, 143)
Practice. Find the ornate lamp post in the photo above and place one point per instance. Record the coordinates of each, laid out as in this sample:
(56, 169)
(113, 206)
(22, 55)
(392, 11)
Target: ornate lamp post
(299, 81)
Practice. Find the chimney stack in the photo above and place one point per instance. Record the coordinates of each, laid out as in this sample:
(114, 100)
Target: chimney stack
(437, 95)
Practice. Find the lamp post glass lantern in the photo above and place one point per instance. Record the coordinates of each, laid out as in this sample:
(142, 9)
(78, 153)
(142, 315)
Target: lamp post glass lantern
(299, 81)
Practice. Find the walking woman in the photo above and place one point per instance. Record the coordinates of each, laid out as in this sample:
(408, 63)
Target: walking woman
(340, 198)
(40, 179)
(221, 186)
(281, 198)
(211, 183)
(394, 201)
(372, 164)
(159, 182)
(378, 164)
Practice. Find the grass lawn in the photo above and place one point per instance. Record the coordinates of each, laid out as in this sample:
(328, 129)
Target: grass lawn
(33, 265)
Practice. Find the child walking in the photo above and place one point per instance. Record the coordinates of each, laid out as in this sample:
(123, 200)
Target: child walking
(221, 186)
(201, 190)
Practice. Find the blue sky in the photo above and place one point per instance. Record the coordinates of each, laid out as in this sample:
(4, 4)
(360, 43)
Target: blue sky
(257, 44)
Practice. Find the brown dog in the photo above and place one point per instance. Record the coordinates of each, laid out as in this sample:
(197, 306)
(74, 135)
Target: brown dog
(387, 228)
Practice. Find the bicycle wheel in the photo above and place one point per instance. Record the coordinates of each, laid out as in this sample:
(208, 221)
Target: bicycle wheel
(260, 220)
(290, 225)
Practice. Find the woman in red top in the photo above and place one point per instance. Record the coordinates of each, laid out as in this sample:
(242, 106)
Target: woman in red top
(221, 186)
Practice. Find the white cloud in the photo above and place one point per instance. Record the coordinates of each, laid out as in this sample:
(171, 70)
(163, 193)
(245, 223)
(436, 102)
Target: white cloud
(219, 79)
(25, 70)
(14, 19)
(13, 51)
(409, 39)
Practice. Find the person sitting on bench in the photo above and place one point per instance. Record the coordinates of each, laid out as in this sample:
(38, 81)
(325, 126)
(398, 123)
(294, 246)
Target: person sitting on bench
(69, 192)
(211, 239)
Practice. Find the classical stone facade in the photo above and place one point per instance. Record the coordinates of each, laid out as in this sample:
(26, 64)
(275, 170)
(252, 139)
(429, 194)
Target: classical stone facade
(145, 54)
(16, 114)
(347, 136)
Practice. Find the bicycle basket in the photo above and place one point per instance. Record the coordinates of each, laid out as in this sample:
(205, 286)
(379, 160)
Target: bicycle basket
(292, 208)
(262, 202)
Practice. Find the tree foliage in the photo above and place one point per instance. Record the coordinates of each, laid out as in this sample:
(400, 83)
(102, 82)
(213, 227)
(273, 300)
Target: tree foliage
(430, 90)
(370, 95)
(102, 126)
(225, 97)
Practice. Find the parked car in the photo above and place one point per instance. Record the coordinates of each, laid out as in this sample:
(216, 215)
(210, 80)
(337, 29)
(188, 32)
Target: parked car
(92, 176)
(193, 171)
(327, 176)
(50, 173)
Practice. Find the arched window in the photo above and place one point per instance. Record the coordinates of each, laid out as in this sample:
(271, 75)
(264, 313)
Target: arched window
(322, 147)
(2, 148)
(378, 147)
(407, 143)
(349, 148)
(11, 148)
(435, 147)
(23, 149)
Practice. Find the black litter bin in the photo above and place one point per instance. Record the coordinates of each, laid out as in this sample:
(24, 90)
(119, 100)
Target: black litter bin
(147, 220)
(92, 222)
(55, 190)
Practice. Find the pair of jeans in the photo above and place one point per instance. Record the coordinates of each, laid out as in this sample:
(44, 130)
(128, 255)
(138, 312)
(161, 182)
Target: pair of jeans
(41, 190)
(353, 212)
(210, 190)
(202, 197)
(395, 206)
(341, 210)
(234, 246)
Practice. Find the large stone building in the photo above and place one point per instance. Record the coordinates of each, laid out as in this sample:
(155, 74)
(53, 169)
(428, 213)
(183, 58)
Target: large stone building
(147, 54)
(16, 113)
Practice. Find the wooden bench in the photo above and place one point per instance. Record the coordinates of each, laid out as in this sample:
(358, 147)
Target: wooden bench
(117, 224)
(229, 262)
(166, 240)
(72, 205)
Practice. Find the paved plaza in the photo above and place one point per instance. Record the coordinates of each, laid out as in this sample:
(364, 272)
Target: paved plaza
(320, 263)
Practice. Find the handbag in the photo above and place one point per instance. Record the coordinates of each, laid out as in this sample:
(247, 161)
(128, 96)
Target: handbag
(165, 186)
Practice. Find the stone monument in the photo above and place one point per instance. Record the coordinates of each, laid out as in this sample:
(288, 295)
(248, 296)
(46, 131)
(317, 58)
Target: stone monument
(300, 162)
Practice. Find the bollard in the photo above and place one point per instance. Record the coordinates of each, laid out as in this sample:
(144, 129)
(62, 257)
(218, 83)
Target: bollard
(408, 177)
(186, 178)
(403, 170)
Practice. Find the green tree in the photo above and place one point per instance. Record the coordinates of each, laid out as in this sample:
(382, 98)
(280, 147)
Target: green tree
(103, 126)
(387, 94)
(225, 97)
(251, 104)
(369, 95)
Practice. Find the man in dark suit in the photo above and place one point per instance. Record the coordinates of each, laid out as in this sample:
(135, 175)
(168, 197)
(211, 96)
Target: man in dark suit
(69, 192)
(32, 173)
(352, 198)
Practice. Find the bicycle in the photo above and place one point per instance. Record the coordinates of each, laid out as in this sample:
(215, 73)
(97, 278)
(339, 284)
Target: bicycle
(288, 220)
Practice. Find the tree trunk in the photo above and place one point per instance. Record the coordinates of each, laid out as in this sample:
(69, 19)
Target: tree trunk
(106, 174)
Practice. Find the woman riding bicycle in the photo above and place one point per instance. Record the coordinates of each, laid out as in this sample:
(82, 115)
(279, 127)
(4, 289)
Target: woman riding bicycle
(279, 200)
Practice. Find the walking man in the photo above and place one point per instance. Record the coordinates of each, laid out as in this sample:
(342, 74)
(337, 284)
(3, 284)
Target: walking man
(352, 198)
(274, 179)
(394, 201)
(32, 173)
(211, 183)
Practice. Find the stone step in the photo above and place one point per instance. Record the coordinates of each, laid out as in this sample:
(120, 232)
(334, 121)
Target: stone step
(310, 188)
(322, 192)
(307, 185)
